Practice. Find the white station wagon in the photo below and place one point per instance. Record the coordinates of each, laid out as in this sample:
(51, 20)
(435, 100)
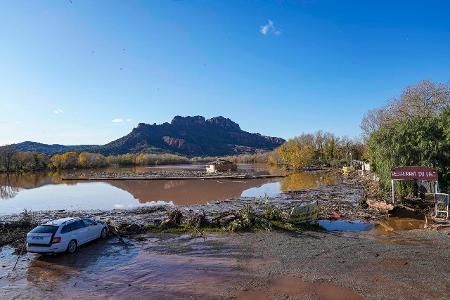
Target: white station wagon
(64, 235)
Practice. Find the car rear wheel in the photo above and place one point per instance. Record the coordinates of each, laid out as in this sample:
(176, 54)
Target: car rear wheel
(104, 233)
(72, 247)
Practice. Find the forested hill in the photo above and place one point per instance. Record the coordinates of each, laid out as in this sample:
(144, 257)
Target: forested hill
(54, 148)
(190, 136)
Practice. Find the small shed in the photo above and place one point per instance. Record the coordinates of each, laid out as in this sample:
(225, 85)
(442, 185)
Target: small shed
(221, 165)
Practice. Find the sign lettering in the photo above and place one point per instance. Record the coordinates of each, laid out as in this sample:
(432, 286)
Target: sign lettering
(410, 173)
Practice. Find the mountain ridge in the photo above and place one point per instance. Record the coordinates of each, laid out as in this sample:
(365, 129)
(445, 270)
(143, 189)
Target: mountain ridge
(189, 136)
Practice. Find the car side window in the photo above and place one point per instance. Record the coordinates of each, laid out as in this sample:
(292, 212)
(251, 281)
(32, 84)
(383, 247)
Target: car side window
(78, 225)
(88, 222)
(67, 228)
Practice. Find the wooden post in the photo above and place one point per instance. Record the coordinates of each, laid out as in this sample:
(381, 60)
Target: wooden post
(393, 192)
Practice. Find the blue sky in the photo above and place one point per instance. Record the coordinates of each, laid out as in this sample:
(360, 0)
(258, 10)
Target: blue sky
(68, 69)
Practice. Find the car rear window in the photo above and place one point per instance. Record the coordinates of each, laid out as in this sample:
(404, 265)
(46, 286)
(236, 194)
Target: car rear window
(45, 229)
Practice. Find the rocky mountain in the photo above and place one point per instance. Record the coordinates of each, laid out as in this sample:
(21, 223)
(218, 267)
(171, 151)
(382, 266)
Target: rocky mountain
(190, 136)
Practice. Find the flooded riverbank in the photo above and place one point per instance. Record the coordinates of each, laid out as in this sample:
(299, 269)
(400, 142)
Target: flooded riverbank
(354, 253)
(264, 265)
(49, 192)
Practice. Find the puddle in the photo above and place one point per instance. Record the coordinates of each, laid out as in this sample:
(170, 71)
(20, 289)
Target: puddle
(383, 226)
(389, 231)
(400, 224)
(395, 262)
(290, 287)
(340, 225)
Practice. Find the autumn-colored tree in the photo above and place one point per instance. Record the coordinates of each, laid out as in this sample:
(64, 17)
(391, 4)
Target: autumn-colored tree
(296, 154)
(121, 160)
(91, 160)
(68, 160)
(319, 148)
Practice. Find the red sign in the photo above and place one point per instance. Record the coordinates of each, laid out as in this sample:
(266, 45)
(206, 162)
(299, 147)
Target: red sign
(422, 173)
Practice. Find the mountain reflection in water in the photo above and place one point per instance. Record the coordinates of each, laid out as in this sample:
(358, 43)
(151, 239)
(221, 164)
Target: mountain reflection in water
(49, 192)
(185, 192)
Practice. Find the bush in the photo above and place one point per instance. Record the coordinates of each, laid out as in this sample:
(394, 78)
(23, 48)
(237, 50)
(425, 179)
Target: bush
(413, 130)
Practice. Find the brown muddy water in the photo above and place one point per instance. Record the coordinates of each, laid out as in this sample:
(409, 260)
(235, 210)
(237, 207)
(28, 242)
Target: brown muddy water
(297, 288)
(158, 267)
(48, 192)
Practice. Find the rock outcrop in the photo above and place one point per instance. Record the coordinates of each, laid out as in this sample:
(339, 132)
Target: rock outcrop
(190, 136)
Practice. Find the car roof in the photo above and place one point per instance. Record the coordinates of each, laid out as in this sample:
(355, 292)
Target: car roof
(59, 222)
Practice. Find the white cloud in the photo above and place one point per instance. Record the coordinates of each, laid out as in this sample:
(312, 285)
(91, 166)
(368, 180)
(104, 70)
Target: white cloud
(58, 111)
(269, 28)
(122, 120)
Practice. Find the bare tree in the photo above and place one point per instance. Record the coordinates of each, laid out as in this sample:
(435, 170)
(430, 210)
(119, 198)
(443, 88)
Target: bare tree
(7, 154)
(426, 99)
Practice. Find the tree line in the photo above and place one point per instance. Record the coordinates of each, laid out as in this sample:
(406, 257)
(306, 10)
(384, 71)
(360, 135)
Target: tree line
(12, 160)
(319, 149)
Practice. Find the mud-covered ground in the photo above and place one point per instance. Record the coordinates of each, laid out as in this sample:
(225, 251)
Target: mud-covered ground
(265, 265)
(376, 265)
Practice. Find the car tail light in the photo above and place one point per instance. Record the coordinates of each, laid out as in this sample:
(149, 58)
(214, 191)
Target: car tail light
(56, 240)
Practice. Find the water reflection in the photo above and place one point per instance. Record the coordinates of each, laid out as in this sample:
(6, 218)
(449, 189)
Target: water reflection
(299, 181)
(339, 225)
(8, 191)
(44, 191)
(185, 192)
(12, 184)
